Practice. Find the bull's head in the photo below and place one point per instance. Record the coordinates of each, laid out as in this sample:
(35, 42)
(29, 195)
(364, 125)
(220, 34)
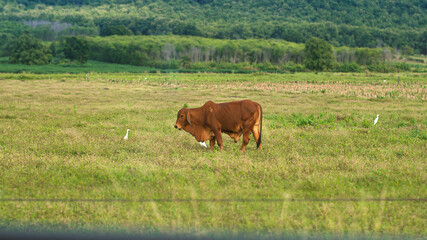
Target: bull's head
(183, 119)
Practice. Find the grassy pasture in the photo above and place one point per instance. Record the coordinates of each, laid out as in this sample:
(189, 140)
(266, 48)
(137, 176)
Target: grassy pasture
(61, 137)
(90, 66)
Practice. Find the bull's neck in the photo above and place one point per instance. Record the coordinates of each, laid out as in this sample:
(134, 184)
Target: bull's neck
(196, 115)
(196, 122)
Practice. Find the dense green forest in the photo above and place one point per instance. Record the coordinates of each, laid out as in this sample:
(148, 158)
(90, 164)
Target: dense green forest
(212, 34)
(353, 23)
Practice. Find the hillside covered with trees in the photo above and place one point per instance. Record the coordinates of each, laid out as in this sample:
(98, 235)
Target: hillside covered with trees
(354, 23)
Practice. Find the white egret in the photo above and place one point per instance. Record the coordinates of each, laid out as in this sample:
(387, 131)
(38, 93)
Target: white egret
(126, 137)
(376, 119)
(203, 144)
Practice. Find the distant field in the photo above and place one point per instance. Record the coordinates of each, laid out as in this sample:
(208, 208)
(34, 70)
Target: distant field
(113, 68)
(98, 67)
(62, 138)
(90, 66)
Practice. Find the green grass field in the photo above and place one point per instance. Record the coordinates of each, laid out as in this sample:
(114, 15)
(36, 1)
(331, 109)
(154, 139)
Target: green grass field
(62, 138)
(90, 66)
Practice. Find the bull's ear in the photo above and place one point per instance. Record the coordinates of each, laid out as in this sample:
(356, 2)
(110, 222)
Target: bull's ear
(188, 118)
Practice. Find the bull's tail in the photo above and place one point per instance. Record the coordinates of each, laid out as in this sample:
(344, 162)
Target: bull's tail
(258, 144)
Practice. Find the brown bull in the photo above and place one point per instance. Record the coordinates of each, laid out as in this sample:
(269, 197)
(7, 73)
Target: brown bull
(233, 118)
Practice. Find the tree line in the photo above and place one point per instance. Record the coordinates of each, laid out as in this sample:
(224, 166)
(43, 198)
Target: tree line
(185, 52)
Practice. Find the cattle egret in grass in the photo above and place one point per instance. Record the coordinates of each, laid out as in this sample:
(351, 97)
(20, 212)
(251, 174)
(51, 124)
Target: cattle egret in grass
(376, 119)
(126, 137)
(203, 144)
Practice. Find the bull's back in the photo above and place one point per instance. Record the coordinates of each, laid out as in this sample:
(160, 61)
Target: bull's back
(234, 115)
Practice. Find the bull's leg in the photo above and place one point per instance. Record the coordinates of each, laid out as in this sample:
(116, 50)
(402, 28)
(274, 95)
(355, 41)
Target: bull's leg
(218, 138)
(256, 133)
(246, 137)
(212, 143)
